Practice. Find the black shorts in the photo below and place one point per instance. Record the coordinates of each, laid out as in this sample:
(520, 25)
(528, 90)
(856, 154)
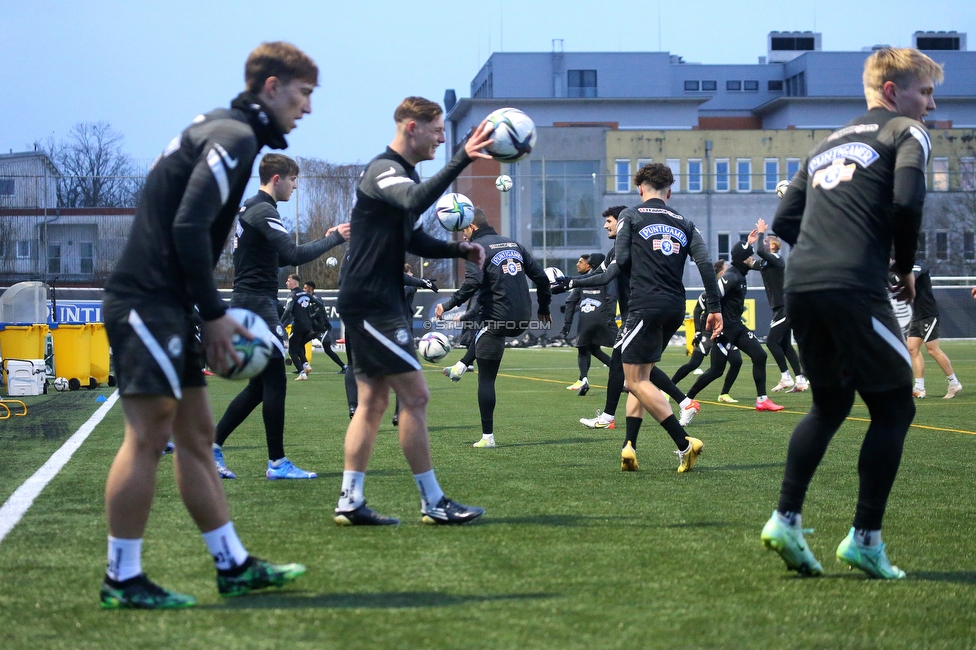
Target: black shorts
(155, 349)
(384, 346)
(849, 339)
(490, 343)
(266, 308)
(646, 332)
(780, 319)
(926, 329)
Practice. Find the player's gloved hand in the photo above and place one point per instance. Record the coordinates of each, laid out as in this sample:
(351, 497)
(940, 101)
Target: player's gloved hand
(561, 285)
(430, 284)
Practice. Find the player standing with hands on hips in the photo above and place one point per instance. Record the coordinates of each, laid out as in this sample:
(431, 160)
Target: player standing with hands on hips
(186, 211)
(858, 197)
(385, 225)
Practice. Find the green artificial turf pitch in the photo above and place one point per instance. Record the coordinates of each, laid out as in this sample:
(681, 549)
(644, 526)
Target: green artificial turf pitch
(572, 553)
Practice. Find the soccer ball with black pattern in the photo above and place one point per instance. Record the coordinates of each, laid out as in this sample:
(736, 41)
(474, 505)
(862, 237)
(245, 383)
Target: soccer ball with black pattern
(455, 212)
(554, 273)
(254, 353)
(781, 188)
(514, 135)
(434, 346)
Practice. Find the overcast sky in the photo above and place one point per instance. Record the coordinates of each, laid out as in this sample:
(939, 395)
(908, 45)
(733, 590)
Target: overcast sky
(149, 67)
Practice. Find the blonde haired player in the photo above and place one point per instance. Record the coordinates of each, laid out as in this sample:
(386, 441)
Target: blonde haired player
(858, 196)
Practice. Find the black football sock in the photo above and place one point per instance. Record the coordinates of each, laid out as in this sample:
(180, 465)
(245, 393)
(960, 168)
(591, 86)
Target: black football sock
(633, 428)
(615, 383)
(676, 431)
(487, 371)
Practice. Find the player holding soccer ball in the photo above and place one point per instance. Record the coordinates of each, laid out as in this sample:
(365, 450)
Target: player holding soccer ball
(505, 309)
(385, 225)
(857, 197)
(186, 211)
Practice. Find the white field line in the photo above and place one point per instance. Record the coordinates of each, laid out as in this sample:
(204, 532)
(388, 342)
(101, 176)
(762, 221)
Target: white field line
(22, 499)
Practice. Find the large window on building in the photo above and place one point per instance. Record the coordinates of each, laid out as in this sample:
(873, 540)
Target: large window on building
(581, 83)
(723, 246)
(743, 175)
(6, 186)
(675, 165)
(942, 245)
(621, 175)
(733, 85)
(721, 174)
(692, 85)
(642, 162)
(694, 175)
(567, 215)
(967, 174)
(750, 85)
(23, 249)
(770, 174)
(792, 167)
(709, 86)
(969, 246)
(940, 174)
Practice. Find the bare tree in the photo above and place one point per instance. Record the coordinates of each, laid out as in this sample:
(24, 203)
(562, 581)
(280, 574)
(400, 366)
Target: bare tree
(326, 195)
(94, 170)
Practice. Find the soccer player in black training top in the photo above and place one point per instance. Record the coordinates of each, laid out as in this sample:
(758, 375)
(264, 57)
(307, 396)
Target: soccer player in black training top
(704, 345)
(732, 286)
(298, 314)
(618, 281)
(386, 223)
(858, 196)
(505, 307)
(779, 338)
(925, 329)
(597, 327)
(185, 213)
(653, 243)
(261, 246)
(321, 325)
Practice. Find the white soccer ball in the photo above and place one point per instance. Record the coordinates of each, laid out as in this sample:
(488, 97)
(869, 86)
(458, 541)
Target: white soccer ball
(434, 346)
(514, 135)
(503, 183)
(60, 384)
(554, 274)
(781, 188)
(254, 353)
(455, 212)
(331, 261)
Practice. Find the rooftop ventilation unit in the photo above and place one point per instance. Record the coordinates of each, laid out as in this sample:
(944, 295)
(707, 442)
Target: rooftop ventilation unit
(939, 41)
(785, 46)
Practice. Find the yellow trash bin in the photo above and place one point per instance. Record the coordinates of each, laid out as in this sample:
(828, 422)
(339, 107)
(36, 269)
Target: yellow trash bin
(22, 340)
(100, 355)
(72, 354)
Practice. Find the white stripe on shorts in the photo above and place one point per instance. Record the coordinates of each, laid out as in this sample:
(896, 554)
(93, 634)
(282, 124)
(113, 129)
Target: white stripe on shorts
(777, 322)
(157, 352)
(896, 343)
(630, 336)
(931, 329)
(391, 346)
